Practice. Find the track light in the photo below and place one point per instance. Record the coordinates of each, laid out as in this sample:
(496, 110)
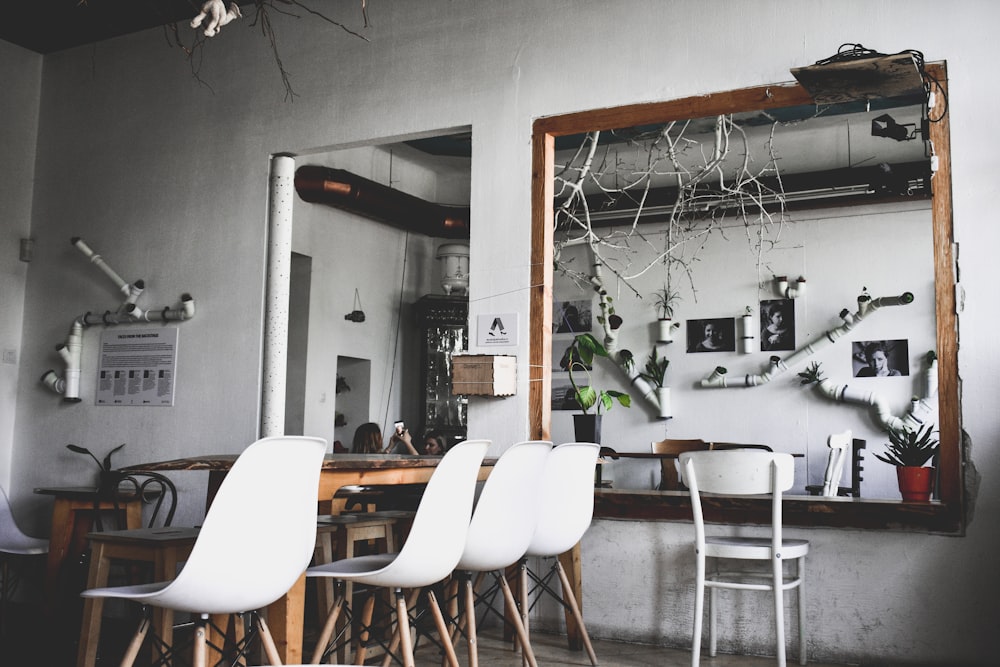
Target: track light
(886, 126)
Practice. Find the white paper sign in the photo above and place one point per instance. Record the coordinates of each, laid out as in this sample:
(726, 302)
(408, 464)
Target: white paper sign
(497, 330)
(137, 367)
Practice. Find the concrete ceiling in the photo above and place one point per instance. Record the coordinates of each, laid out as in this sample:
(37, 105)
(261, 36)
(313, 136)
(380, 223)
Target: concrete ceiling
(47, 26)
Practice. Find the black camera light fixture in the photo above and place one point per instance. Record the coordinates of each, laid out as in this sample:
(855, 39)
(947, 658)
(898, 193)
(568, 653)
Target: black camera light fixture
(886, 126)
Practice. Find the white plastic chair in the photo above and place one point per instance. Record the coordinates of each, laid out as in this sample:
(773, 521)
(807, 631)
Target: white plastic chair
(501, 529)
(14, 544)
(270, 495)
(840, 445)
(741, 473)
(430, 553)
(565, 509)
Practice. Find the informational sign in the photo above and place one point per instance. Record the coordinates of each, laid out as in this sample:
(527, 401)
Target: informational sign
(497, 330)
(137, 367)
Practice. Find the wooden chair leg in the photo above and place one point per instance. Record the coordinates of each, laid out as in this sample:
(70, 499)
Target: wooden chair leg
(442, 629)
(328, 629)
(140, 635)
(575, 609)
(403, 626)
(267, 641)
(522, 634)
(200, 642)
(411, 602)
(366, 620)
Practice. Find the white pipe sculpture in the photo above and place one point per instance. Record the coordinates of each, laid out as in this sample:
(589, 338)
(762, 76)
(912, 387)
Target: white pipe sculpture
(922, 410)
(625, 362)
(747, 332)
(786, 292)
(128, 312)
(866, 306)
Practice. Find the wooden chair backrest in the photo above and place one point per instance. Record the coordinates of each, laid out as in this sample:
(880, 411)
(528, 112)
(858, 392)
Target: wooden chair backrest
(669, 480)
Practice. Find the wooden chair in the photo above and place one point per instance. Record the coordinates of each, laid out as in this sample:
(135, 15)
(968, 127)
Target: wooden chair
(857, 467)
(669, 480)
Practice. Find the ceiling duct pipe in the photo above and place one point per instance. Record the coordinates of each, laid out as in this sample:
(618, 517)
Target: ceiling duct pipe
(350, 192)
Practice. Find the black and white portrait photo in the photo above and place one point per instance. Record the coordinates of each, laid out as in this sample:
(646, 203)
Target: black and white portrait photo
(880, 358)
(712, 335)
(777, 325)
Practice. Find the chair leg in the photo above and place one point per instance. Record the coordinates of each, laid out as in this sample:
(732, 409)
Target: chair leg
(699, 609)
(267, 641)
(366, 621)
(779, 609)
(713, 621)
(403, 626)
(800, 572)
(522, 636)
(140, 635)
(327, 631)
(449, 647)
(200, 642)
(470, 620)
(575, 609)
(523, 592)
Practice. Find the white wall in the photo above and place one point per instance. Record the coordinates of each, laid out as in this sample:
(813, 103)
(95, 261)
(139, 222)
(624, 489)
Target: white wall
(167, 178)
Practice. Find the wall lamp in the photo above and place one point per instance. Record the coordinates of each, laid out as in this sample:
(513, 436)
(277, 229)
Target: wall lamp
(886, 126)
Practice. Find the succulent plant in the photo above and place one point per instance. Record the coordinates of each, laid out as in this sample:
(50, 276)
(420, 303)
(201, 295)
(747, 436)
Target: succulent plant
(910, 448)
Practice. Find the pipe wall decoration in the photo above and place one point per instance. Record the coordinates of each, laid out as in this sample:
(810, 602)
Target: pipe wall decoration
(921, 409)
(128, 312)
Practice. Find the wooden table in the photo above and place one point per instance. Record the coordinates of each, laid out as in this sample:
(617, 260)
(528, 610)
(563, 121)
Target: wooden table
(285, 616)
(72, 518)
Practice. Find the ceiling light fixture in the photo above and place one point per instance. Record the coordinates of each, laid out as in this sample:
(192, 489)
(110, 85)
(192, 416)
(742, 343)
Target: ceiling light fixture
(886, 126)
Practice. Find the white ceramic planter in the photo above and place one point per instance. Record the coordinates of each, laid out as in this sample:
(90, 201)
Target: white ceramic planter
(665, 332)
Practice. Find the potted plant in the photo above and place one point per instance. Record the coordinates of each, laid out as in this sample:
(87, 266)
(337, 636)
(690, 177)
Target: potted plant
(909, 450)
(664, 300)
(579, 356)
(108, 478)
(655, 373)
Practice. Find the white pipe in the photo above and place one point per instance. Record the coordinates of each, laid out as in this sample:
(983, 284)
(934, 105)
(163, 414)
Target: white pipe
(101, 264)
(53, 381)
(786, 292)
(866, 306)
(747, 334)
(185, 312)
(135, 289)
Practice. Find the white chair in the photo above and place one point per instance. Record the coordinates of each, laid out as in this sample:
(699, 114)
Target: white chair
(741, 473)
(840, 445)
(430, 553)
(501, 529)
(270, 494)
(565, 509)
(14, 545)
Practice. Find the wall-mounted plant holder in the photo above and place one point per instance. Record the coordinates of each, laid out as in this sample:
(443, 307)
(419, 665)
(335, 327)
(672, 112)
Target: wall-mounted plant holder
(665, 410)
(790, 292)
(665, 330)
(747, 332)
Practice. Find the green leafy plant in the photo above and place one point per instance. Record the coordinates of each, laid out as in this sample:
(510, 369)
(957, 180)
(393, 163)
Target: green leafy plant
(664, 300)
(655, 371)
(103, 467)
(579, 356)
(811, 374)
(910, 448)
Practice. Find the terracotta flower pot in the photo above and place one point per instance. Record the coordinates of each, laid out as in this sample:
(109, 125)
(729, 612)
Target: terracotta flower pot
(915, 483)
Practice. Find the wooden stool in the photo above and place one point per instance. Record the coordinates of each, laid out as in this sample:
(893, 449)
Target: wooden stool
(164, 548)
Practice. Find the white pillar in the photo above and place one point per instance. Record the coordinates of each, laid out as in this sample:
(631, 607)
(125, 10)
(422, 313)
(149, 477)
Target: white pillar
(281, 197)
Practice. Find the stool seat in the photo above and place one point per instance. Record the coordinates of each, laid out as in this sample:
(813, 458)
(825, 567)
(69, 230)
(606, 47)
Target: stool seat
(164, 548)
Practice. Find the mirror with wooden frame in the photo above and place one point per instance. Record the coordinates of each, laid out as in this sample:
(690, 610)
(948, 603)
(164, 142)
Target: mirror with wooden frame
(946, 513)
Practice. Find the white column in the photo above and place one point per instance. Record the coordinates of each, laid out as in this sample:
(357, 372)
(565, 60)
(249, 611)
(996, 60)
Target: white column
(281, 196)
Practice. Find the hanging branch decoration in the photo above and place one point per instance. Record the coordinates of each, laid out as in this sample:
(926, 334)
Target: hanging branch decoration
(214, 15)
(707, 190)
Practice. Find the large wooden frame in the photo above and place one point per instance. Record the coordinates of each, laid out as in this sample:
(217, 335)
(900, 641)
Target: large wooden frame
(945, 516)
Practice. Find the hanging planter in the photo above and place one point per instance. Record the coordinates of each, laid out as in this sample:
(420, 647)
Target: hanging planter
(655, 373)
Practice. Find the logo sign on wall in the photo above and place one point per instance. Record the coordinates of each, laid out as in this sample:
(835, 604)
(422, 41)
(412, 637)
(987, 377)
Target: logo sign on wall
(497, 330)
